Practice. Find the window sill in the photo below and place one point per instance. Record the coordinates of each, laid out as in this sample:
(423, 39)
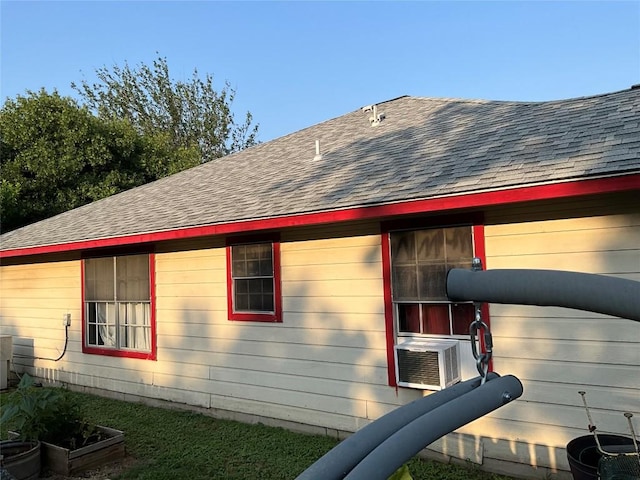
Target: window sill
(255, 317)
(108, 352)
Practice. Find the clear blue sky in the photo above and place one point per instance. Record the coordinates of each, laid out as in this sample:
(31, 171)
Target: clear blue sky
(298, 63)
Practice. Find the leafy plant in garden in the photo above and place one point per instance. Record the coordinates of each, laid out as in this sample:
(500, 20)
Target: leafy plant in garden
(46, 414)
(401, 474)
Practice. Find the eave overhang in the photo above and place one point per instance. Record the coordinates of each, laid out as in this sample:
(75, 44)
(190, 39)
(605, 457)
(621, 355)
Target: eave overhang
(441, 204)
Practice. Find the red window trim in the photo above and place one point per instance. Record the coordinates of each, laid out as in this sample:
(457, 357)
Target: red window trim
(476, 220)
(152, 354)
(276, 316)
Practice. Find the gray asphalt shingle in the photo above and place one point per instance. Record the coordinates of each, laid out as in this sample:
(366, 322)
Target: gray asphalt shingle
(424, 147)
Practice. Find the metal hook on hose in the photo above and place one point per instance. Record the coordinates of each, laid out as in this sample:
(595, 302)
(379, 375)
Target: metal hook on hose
(482, 358)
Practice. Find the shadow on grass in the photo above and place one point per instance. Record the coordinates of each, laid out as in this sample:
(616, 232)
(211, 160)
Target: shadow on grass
(165, 444)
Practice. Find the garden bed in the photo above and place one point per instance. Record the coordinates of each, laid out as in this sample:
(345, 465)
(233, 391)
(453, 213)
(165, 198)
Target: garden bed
(64, 461)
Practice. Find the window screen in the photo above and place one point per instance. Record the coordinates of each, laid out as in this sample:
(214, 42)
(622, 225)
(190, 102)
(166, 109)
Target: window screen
(253, 277)
(420, 260)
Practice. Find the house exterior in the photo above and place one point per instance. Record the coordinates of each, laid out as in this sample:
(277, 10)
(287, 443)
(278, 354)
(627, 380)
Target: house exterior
(275, 284)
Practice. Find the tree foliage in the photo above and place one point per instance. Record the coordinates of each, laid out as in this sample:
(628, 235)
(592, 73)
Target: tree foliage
(56, 155)
(191, 113)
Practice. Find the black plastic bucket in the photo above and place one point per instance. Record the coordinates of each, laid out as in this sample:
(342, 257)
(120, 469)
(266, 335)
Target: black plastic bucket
(583, 455)
(20, 459)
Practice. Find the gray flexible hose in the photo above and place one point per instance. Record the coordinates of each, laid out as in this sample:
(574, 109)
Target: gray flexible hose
(339, 461)
(387, 457)
(583, 291)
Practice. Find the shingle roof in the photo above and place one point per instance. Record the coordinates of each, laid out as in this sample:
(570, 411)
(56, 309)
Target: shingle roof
(423, 148)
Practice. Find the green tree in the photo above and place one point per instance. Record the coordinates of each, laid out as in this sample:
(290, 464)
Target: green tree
(191, 113)
(56, 155)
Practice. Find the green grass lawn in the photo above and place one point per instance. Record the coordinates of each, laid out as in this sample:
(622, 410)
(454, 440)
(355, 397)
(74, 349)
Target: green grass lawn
(170, 444)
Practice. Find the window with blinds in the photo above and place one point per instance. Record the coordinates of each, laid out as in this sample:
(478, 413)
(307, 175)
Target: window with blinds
(253, 280)
(117, 302)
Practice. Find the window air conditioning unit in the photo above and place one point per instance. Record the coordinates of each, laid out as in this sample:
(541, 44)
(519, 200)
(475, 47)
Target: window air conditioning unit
(428, 364)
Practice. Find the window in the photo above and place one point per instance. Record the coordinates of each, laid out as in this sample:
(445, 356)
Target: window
(253, 283)
(420, 260)
(416, 256)
(118, 307)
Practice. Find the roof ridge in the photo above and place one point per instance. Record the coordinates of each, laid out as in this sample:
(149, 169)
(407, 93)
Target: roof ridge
(522, 102)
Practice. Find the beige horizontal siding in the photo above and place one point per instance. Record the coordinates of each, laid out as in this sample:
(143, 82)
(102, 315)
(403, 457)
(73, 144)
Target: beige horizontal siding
(274, 409)
(555, 351)
(33, 300)
(339, 273)
(590, 351)
(298, 368)
(556, 417)
(11, 282)
(329, 353)
(563, 242)
(539, 445)
(43, 293)
(274, 333)
(31, 307)
(311, 321)
(185, 291)
(35, 272)
(300, 304)
(582, 375)
(192, 346)
(199, 307)
(598, 397)
(510, 324)
(185, 263)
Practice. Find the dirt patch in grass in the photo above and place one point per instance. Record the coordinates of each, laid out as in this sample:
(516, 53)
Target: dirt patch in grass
(105, 472)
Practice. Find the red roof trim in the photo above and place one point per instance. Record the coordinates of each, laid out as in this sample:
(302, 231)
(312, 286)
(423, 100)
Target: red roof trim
(470, 200)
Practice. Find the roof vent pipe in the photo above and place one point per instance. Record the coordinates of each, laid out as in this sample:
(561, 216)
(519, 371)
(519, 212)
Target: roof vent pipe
(376, 117)
(318, 154)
